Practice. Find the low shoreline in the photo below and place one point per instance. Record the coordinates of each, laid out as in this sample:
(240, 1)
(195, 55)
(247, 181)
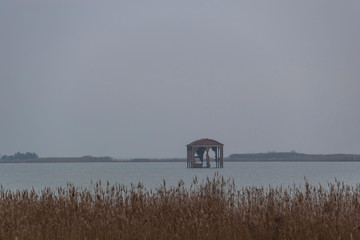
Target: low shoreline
(320, 158)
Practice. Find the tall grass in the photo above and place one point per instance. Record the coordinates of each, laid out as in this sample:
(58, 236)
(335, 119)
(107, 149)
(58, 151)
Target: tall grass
(212, 209)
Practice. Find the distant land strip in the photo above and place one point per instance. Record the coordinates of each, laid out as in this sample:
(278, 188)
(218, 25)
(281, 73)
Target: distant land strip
(292, 157)
(247, 157)
(59, 160)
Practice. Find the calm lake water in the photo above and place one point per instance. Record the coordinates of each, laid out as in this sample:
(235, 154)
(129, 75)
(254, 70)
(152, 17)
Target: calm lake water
(39, 175)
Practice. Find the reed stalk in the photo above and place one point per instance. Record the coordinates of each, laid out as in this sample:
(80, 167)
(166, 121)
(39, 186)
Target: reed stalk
(211, 209)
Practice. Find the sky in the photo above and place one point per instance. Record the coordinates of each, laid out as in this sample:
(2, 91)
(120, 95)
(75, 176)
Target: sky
(141, 79)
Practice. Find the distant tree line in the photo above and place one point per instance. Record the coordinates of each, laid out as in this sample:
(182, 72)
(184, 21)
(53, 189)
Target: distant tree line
(284, 155)
(291, 154)
(20, 155)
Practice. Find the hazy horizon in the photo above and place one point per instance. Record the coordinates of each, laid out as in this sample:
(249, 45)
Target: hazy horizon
(143, 79)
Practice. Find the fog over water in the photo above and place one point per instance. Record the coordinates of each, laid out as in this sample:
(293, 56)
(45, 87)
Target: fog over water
(134, 79)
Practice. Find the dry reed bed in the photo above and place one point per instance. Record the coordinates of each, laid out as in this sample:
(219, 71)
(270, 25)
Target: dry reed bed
(212, 209)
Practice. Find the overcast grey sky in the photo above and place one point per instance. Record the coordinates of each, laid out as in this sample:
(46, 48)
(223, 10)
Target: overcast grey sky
(144, 78)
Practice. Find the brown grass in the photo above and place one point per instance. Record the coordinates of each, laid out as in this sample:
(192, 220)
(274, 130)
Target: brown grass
(213, 209)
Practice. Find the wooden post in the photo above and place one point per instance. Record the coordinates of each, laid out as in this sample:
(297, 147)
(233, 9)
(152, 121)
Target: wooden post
(221, 157)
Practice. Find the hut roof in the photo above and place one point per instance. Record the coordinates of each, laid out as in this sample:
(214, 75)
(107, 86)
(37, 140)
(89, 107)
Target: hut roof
(205, 142)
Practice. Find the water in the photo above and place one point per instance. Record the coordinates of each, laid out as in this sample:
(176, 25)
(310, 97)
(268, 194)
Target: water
(39, 175)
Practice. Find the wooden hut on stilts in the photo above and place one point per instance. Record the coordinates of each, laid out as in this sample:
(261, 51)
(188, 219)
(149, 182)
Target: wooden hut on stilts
(196, 150)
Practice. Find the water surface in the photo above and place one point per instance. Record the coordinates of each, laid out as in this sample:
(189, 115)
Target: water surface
(39, 175)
